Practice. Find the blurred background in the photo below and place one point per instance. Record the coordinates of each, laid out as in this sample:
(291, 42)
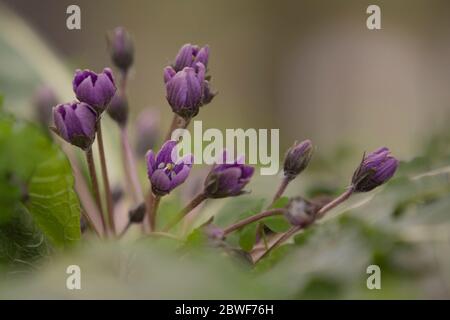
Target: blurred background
(311, 68)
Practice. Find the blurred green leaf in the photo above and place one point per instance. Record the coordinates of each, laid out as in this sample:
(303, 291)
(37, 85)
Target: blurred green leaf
(53, 202)
(277, 223)
(248, 237)
(34, 171)
(280, 202)
(21, 242)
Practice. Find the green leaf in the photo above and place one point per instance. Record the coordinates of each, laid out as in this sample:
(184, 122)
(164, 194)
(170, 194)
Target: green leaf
(53, 203)
(277, 223)
(280, 203)
(21, 241)
(196, 238)
(248, 237)
(34, 170)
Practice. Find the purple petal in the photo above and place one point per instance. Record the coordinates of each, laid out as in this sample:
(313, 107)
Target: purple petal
(73, 124)
(180, 177)
(203, 56)
(58, 117)
(85, 92)
(165, 154)
(87, 117)
(247, 172)
(184, 57)
(187, 160)
(160, 181)
(169, 73)
(151, 165)
(104, 88)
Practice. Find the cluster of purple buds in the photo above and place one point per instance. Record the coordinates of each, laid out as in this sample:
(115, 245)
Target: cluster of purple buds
(187, 86)
(76, 122)
(228, 179)
(375, 169)
(165, 170)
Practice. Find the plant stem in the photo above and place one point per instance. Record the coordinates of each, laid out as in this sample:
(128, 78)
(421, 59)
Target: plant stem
(334, 203)
(319, 214)
(130, 168)
(95, 188)
(122, 233)
(153, 211)
(191, 206)
(248, 220)
(177, 122)
(109, 202)
(283, 185)
(173, 126)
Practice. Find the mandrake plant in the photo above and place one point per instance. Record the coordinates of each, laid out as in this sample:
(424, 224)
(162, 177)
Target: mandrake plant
(188, 88)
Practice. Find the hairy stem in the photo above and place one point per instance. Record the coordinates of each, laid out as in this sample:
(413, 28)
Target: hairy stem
(153, 212)
(319, 214)
(191, 206)
(177, 122)
(251, 219)
(130, 168)
(334, 203)
(95, 188)
(108, 195)
(282, 187)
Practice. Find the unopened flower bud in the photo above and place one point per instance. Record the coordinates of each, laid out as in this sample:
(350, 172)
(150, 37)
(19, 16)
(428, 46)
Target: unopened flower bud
(147, 131)
(121, 48)
(185, 90)
(228, 179)
(297, 158)
(76, 123)
(97, 90)
(300, 212)
(118, 109)
(44, 99)
(375, 169)
(137, 214)
(213, 232)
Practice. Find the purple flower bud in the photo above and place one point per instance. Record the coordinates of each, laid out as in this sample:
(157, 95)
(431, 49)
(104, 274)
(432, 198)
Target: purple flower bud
(97, 90)
(228, 179)
(121, 48)
(147, 131)
(189, 55)
(300, 212)
(297, 158)
(165, 171)
(118, 109)
(43, 100)
(374, 170)
(76, 123)
(185, 90)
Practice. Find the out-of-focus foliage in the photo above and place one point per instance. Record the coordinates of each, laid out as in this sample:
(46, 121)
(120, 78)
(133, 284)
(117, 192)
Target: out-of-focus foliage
(403, 228)
(38, 203)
